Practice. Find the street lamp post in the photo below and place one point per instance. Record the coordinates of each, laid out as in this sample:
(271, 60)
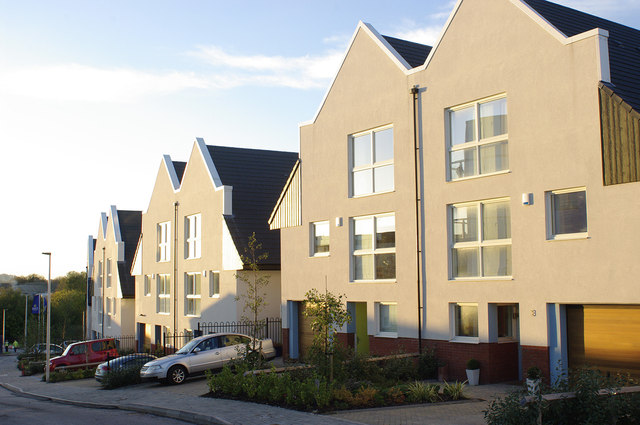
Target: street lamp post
(46, 365)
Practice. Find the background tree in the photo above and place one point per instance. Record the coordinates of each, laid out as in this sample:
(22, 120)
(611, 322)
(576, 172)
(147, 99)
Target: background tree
(31, 278)
(13, 301)
(66, 314)
(254, 296)
(75, 281)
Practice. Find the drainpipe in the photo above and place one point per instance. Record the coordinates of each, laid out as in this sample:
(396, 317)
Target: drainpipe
(175, 270)
(104, 266)
(414, 92)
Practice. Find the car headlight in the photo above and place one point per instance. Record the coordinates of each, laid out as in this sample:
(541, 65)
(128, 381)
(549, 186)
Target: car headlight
(154, 368)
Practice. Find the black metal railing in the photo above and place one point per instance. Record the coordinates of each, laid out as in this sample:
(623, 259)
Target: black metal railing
(266, 328)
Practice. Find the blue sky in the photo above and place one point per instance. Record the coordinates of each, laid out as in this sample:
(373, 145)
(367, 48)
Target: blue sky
(93, 93)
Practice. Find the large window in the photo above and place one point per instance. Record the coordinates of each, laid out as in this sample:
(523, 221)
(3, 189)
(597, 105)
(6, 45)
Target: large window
(387, 319)
(192, 294)
(567, 213)
(374, 247)
(372, 162)
(163, 299)
(478, 138)
(192, 231)
(214, 284)
(465, 320)
(320, 238)
(164, 241)
(108, 322)
(480, 239)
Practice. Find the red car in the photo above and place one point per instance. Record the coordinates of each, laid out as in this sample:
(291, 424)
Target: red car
(85, 353)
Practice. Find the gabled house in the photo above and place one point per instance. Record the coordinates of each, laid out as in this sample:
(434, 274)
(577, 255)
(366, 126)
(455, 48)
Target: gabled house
(521, 242)
(194, 234)
(111, 287)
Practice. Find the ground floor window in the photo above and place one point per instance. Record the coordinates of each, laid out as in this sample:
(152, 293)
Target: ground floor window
(465, 321)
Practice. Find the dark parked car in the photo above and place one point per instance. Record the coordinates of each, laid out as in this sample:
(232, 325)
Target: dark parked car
(131, 361)
(41, 348)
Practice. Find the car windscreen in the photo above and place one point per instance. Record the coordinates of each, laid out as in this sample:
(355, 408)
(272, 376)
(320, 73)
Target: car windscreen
(187, 348)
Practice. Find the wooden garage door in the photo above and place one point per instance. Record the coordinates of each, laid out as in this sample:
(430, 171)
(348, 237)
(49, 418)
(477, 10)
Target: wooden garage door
(305, 334)
(604, 336)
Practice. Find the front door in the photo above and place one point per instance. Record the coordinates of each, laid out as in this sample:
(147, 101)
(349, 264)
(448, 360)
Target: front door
(362, 336)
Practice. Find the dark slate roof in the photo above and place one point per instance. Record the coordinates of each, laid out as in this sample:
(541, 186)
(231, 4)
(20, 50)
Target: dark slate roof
(414, 53)
(179, 166)
(624, 45)
(130, 228)
(257, 177)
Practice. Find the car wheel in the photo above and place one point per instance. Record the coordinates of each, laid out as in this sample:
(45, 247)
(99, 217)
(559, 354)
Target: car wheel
(177, 375)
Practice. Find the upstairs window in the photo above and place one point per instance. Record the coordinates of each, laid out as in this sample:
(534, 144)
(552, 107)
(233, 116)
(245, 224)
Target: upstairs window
(192, 294)
(372, 162)
(374, 248)
(192, 231)
(320, 238)
(164, 241)
(567, 214)
(214, 284)
(477, 138)
(147, 286)
(163, 302)
(108, 272)
(481, 239)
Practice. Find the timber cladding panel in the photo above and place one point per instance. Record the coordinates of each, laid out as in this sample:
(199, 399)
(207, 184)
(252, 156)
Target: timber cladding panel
(620, 131)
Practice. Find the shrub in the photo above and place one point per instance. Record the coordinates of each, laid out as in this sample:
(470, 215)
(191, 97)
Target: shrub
(534, 372)
(419, 392)
(68, 375)
(34, 367)
(399, 369)
(122, 377)
(473, 364)
(454, 391)
(394, 395)
(428, 364)
(365, 397)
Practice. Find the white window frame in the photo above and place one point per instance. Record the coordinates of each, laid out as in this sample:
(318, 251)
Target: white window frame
(549, 198)
(213, 276)
(163, 294)
(477, 142)
(146, 288)
(108, 272)
(164, 242)
(454, 324)
(312, 238)
(192, 294)
(370, 251)
(378, 308)
(193, 236)
(480, 243)
(373, 165)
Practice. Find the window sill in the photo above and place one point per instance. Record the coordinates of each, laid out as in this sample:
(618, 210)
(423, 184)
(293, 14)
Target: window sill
(364, 195)
(465, 340)
(373, 281)
(163, 314)
(506, 340)
(320, 255)
(479, 176)
(387, 335)
(481, 279)
(214, 296)
(191, 315)
(568, 237)
(193, 258)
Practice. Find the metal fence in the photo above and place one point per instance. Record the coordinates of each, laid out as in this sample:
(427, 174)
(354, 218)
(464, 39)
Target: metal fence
(267, 328)
(125, 342)
(173, 342)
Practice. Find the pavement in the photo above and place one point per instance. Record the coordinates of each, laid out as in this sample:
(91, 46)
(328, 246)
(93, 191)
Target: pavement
(185, 402)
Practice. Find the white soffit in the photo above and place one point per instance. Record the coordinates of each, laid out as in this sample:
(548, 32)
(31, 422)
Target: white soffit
(171, 172)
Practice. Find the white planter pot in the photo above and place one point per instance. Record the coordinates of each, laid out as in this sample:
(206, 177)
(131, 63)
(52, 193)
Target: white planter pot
(533, 386)
(473, 376)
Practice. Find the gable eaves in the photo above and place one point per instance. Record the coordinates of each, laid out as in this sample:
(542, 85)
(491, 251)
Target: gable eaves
(115, 220)
(214, 177)
(171, 172)
(602, 35)
(368, 29)
(136, 264)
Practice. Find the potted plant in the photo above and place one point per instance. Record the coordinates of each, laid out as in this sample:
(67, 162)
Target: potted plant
(534, 376)
(473, 371)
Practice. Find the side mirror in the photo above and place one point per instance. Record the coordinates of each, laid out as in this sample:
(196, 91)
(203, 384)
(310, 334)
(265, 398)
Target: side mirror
(196, 350)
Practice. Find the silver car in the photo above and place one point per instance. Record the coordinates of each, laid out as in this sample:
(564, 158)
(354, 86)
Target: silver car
(201, 354)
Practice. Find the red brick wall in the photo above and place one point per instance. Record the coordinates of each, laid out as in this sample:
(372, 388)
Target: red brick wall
(498, 362)
(285, 343)
(535, 356)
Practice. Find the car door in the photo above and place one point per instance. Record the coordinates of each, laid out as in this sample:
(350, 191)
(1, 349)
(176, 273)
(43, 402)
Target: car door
(205, 355)
(235, 345)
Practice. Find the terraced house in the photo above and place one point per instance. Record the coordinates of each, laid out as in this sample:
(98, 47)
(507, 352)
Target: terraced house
(111, 287)
(194, 232)
(507, 233)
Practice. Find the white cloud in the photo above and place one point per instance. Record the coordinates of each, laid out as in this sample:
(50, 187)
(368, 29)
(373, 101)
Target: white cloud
(426, 35)
(77, 82)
